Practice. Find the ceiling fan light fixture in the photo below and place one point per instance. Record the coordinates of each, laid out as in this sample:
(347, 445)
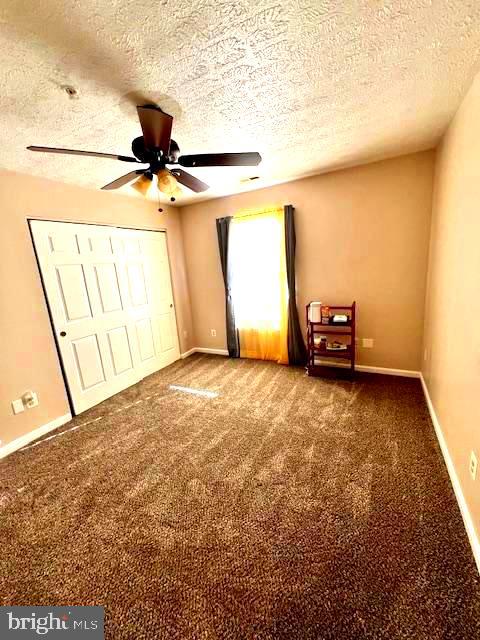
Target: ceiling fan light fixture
(167, 183)
(142, 184)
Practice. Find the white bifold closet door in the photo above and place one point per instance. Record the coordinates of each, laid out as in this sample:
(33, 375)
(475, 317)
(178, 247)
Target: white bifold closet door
(110, 297)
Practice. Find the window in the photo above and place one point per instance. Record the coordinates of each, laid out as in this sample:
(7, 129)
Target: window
(259, 287)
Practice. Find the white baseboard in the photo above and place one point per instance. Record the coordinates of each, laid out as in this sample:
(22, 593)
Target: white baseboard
(386, 371)
(457, 487)
(216, 352)
(406, 373)
(22, 441)
(187, 353)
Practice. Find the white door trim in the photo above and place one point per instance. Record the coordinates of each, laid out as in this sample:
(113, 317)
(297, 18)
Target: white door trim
(95, 224)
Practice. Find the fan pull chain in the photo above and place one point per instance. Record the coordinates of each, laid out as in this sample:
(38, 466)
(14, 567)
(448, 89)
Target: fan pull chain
(160, 210)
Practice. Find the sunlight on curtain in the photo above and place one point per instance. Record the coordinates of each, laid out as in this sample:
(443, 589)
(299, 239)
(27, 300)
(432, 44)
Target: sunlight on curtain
(259, 283)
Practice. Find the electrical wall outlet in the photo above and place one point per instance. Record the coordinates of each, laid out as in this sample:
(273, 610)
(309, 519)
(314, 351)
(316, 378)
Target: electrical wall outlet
(213, 332)
(367, 343)
(473, 465)
(17, 406)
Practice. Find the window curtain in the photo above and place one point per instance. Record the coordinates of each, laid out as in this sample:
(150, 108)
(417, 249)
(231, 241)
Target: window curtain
(223, 233)
(259, 283)
(297, 353)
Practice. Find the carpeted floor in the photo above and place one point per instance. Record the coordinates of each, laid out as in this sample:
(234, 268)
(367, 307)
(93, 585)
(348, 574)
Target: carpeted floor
(286, 507)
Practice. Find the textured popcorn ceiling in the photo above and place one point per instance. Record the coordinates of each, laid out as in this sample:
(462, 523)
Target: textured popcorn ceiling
(312, 85)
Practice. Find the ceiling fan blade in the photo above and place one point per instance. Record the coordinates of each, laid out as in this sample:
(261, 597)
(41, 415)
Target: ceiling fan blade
(77, 152)
(119, 182)
(189, 181)
(221, 160)
(156, 127)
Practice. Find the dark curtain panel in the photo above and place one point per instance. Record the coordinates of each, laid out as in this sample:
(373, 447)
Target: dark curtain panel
(297, 353)
(223, 228)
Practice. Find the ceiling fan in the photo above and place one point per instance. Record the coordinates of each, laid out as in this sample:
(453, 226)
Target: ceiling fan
(157, 149)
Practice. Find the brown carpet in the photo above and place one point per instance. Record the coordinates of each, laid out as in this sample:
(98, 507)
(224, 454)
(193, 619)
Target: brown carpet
(286, 507)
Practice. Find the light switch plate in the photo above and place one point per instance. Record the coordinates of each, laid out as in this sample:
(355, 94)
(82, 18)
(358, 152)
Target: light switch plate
(367, 343)
(17, 406)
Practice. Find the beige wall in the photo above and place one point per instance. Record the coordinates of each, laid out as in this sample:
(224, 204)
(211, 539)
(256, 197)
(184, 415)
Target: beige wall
(28, 358)
(452, 330)
(362, 234)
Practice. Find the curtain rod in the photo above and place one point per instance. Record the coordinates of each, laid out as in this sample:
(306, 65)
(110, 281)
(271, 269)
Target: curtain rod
(257, 213)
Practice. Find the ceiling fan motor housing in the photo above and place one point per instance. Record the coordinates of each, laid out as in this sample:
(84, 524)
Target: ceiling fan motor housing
(174, 152)
(154, 157)
(139, 151)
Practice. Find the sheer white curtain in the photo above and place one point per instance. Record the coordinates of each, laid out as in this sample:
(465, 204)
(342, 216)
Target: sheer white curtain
(254, 251)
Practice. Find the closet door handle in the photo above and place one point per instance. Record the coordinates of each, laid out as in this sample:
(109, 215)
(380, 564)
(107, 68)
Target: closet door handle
(63, 333)
(171, 306)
